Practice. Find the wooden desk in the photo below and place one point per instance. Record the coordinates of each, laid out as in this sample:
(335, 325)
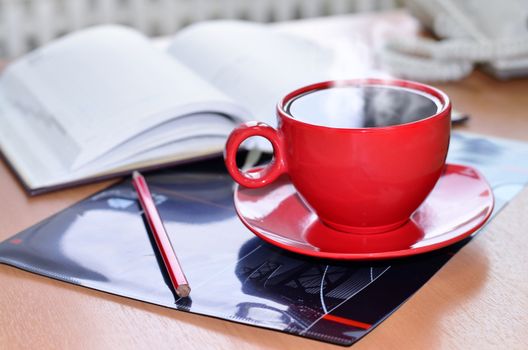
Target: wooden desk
(478, 300)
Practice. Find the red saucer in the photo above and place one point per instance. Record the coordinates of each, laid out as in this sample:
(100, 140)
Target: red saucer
(460, 204)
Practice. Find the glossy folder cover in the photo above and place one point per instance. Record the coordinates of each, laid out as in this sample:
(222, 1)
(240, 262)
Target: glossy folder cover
(102, 243)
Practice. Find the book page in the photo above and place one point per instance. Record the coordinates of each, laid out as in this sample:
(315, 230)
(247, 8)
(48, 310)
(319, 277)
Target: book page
(252, 63)
(92, 90)
(155, 141)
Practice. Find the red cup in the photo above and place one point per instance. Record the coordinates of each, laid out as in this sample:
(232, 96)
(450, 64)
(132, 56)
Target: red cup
(359, 180)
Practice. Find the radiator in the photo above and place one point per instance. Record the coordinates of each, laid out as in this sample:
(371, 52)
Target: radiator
(26, 24)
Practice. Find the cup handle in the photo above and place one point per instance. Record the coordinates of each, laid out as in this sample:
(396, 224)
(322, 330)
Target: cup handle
(255, 177)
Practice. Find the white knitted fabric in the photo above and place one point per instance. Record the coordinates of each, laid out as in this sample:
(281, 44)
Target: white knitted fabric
(469, 38)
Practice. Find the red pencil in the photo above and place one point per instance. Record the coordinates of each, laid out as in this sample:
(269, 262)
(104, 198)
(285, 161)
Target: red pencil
(177, 277)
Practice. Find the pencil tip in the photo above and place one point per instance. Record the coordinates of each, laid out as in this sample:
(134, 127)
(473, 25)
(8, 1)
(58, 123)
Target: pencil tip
(183, 290)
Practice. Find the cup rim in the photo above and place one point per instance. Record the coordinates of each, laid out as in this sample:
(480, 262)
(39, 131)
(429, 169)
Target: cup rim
(445, 103)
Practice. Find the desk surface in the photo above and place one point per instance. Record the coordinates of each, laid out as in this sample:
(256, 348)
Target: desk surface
(478, 300)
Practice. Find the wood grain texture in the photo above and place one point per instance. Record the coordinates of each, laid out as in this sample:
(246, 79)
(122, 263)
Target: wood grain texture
(498, 108)
(479, 300)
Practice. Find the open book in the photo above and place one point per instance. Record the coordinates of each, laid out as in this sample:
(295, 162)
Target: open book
(104, 101)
